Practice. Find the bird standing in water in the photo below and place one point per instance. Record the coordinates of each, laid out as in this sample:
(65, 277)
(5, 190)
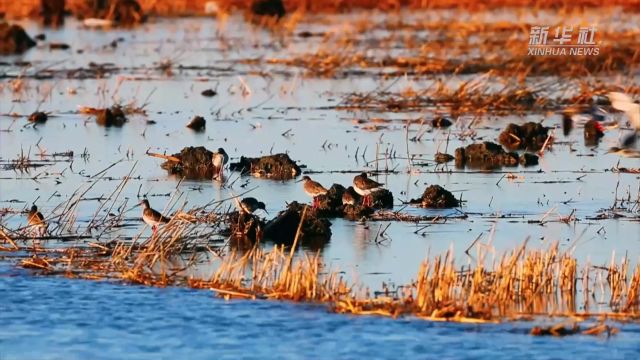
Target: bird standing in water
(624, 102)
(36, 221)
(219, 160)
(249, 205)
(313, 189)
(365, 187)
(151, 217)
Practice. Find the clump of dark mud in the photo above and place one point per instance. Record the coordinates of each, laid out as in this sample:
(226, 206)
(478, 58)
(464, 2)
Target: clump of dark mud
(52, 12)
(198, 123)
(330, 204)
(113, 116)
(382, 199)
(441, 122)
(245, 226)
(530, 136)
(435, 196)
(278, 167)
(315, 231)
(14, 40)
(120, 12)
(38, 117)
(272, 8)
(194, 163)
(527, 159)
(486, 155)
(209, 93)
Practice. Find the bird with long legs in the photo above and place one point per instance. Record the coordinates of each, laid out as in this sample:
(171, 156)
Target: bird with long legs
(625, 103)
(36, 221)
(313, 189)
(365, 187)
(219, 159)
(152, 217)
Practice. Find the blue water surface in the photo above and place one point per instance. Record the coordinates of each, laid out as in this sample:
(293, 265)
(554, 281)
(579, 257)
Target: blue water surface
(57, 318)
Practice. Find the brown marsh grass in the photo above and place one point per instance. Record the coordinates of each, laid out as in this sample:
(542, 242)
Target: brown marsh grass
(515, 285)
(197, 7)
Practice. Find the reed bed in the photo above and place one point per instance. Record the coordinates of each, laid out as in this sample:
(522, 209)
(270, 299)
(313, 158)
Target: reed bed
(197, 7)
(519, 284)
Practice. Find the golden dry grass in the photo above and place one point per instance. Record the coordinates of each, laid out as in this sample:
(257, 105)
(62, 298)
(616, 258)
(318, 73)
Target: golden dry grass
(24, 8)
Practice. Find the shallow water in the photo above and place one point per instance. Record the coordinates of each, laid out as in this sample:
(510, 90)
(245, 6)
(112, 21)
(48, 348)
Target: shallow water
(251, 121)
(56, 318)
(305, 108)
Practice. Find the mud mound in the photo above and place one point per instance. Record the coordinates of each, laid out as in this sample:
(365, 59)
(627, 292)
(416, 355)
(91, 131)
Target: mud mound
(527, 159)
(113, 116)
(357, 212)
(277, 167)
(435, 196)
(486, 155)
(441, 122)
(282, 229)
(14, 40)
(530, 136)
(382, 199)
(198, 123)
(330, 205)
(195, 162)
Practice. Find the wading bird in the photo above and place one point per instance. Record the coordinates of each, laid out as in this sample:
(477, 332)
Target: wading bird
(36, 221)
(313, 189)
(365, 187)
(625, 103)
(219, 160)
(249, 205)
(591, 119)
(151, 217)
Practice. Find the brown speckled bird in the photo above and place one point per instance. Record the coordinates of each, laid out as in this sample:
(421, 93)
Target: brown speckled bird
(349, 196)
(36, 221)
(365, 187)
(151, 217)
(313, 189)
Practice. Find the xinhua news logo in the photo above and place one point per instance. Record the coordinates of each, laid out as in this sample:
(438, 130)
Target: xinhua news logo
(564, 42)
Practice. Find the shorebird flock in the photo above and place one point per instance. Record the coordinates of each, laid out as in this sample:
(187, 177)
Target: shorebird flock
(365, 187)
